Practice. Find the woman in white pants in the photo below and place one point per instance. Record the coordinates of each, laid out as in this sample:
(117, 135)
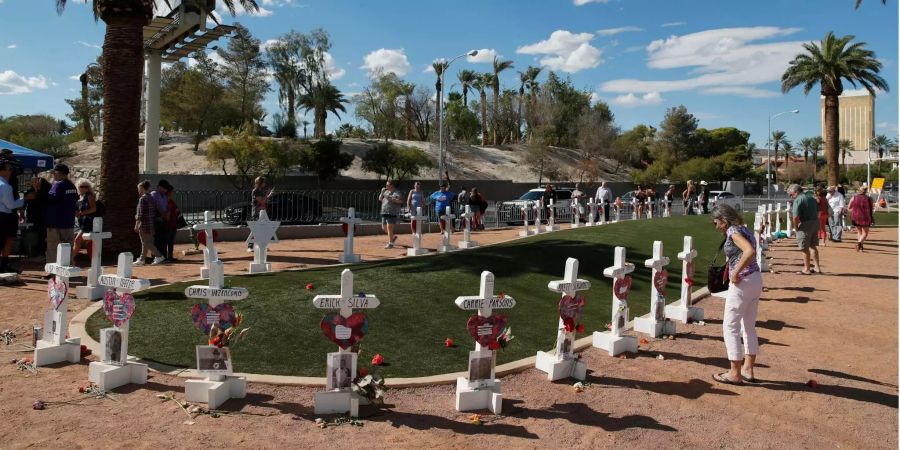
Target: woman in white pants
(742, 297)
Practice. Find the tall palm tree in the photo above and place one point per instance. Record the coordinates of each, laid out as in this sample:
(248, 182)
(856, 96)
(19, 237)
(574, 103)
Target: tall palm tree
(532, 85)
(777, 138)
(788, 149)
(466, 78)
(826, 63)
(439, 67)
(807, 145)
(523, 80)
(323, 98)
(881, 143)
(845, 146)
(123, 67)
(481, 84)
(499, 66)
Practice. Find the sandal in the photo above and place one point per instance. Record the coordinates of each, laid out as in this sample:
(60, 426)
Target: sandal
(802, 273)
(748, 379)
(723, 378)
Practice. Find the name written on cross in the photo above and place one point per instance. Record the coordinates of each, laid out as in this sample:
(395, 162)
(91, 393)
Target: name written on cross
(497, 302)
(118, 283)
(226, 293)
(352, 302)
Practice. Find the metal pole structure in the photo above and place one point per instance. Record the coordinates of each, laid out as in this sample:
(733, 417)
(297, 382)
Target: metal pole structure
(441, 165)
(769, 152)
(151, 130)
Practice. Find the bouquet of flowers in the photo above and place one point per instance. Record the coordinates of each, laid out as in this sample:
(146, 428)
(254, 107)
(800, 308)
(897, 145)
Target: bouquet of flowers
(224, 337)
(569, 325)
(370, 386)
(503, 339)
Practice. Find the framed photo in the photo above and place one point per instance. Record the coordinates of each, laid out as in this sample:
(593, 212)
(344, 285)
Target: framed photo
(564, 345)
(481, 367)
(113, 350)
(341, 370)
(212, 360)
(52, 326)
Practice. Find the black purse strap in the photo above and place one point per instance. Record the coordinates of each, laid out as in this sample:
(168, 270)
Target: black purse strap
(716, 258)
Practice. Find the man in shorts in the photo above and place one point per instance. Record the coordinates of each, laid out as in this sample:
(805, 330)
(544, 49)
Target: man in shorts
(9, 221)
(806, 220)
(390, 210)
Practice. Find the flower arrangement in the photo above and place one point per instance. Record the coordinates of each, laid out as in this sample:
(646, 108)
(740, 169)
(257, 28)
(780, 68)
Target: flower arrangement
(569, 325)
(502, 339)
(369, 386)
(224, 337)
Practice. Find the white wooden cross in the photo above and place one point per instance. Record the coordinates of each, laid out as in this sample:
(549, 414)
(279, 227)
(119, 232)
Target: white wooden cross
(351, 220)
(485, 302)
(346, 302)
(788, 220)
(650, 207)
(592, 212)
(778, 217)
(122, 282)
(447, 218)
(92, 290)
(561, 363)
(682, 309)
(655, 323)
(770, 226)
(527, 231)
(601, 211)
(467, 241)
(551, 218)
(538, 212)
(418, 222)
(62, 271)
(619, 270)
(262, 233)
(760, 236)
(570, 285)
(613, 341)
(215, 293)
(209, 254)
(576, 214)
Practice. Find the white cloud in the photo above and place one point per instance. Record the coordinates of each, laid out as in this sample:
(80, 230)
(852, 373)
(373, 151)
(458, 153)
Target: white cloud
(386, 60)
(722, 59)
(858, 92)
(334, 72)
(888, 127)
(88, 44)
(565, 51)
(485, 55)
(612, 31)
(585, 2)
(630, 100)
(673, 24)
(269, 43)
(75, 77)
(10, 45)
(428, 69)
(12, 83)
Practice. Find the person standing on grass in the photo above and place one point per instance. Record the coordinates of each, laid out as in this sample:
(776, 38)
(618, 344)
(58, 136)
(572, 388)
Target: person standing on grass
(87, 206)
(838, 209)
(742, 297)
(9, 220)
(604, 198)
(806, 221)
(548, 199)
(390, 209)
(577, 196)
(638, 201)
(862, 215)
(60, 215)
(144, 224)
(259, 198)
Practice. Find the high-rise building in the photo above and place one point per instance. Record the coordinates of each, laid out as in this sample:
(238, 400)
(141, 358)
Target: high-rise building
(856, 121)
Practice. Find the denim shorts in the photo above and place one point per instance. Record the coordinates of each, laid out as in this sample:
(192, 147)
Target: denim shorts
(388, 219)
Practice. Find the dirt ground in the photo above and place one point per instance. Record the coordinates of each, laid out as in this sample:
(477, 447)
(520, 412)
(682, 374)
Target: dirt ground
(838, 329)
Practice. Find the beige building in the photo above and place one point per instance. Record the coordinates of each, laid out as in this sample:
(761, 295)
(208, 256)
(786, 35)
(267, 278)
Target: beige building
(857, 122)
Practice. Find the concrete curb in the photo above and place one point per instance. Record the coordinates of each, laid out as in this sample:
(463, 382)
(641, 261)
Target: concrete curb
(79, 322)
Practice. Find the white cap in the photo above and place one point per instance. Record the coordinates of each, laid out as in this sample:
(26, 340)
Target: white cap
(704, 183)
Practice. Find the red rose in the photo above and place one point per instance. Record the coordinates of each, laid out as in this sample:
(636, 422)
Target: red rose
(363, 372)
(569, 324)
(81, 389)
(580, 328)
(494, 345)
(377, 360)
(448, 343)
(309, 286)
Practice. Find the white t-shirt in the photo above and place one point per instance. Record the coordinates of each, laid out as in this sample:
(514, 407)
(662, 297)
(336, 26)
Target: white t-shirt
(836, 201)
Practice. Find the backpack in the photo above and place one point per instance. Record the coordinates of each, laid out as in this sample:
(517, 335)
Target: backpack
(100, 209)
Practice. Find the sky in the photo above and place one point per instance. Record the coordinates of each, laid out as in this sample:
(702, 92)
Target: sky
(723, 60)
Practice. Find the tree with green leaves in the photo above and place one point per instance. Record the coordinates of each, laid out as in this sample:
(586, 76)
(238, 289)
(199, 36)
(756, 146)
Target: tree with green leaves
(676, 131)
(482, 82)
(395, 162)
(180, 88)
(377, 105)
(466, 79)
(777, 139)
(123, 67)
(251, 156)
(324, 158)
(297, 61)
(828, 63)
(321, 99)
(845, 146)
(40, 132)
(243, 68)
(86, 109)
(499, 65)
(462, 123)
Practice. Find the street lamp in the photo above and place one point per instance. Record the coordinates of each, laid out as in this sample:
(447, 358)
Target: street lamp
(769, 151)
(441, 168)
(869, 161)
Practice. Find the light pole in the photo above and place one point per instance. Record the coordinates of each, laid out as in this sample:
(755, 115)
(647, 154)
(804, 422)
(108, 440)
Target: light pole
(869, 162)
(440, 101)
(769, 152)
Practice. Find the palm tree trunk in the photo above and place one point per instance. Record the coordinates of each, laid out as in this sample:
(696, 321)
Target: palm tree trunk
(122, 74)
(484, 124)
(321, 116)
(495, 124)
(290, 106)
(832, 134)
(775, 168)
(519, 118)
(465, 96)
(86, 112)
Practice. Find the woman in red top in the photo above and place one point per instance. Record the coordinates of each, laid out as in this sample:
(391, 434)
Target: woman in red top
(822, 203)
(861, 209)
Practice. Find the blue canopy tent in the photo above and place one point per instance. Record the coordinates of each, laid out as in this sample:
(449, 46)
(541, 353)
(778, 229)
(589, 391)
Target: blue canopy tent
(28, 158)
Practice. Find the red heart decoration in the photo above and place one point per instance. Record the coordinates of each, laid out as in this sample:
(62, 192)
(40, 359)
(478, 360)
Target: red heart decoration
(660, 281)
(358, 324)
(621, 287)
(486, 329)
(344, 228)
(412, 225)
(201, 237)
(571, 307)
(690, 270)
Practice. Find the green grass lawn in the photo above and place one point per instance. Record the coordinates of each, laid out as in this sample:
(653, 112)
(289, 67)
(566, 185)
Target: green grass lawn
(417, 311)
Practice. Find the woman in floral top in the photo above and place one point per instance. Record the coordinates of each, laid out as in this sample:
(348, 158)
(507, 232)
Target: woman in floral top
(742, 297)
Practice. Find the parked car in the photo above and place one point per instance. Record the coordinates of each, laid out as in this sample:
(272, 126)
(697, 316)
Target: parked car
(286, 207)
(511, 211)
(726, 198)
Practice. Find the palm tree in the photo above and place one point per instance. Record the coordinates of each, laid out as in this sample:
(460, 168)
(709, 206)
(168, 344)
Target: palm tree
(466, 78)
(845, 146)
(304, 123)
(499, 66)
(123, 67)
(778, 138)
(323, 98)
(532, 85)
(523, 80)
(788, 149)
(439, 67)
(289, 73)
(481, 84)
(881, 143)
(826, 64)
(406, 90)
(807, 145)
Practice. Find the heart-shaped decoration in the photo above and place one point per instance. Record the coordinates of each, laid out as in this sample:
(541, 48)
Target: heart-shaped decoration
(413, 225)
(201, 237)
(660, 280)
(118, 308)
(344, 228)
(56, 291)
(571, 307)
(689, 270)
(205, 316)
(486, 329)
(345, 332)
(621, 287)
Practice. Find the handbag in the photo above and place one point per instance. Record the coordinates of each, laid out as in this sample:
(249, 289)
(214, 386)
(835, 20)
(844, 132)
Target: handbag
(717, 277)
